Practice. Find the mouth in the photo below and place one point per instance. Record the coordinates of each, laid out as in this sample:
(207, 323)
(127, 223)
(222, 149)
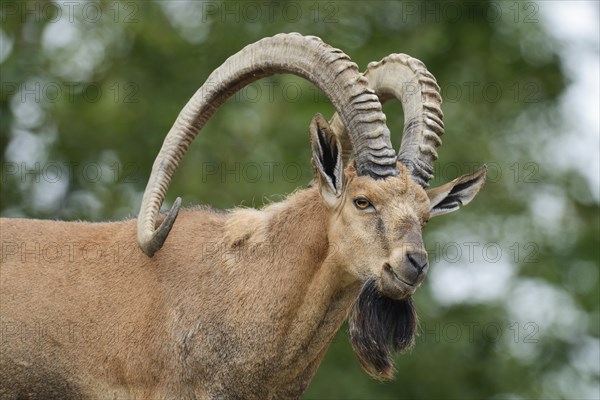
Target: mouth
(394, 286)
(389, 269)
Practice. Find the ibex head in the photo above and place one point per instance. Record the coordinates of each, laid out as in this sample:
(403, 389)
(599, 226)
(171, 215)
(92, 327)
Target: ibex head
(377, 223)
(376, 232)
(377, 201)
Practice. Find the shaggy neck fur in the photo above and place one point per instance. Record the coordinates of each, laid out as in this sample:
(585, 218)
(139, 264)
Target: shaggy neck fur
(271, 297)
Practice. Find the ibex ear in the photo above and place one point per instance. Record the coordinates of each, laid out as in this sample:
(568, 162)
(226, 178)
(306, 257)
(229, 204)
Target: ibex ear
(326, 159)
(449, 197)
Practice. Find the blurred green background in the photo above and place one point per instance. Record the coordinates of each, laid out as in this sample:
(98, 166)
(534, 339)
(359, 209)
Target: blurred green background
(511, 306)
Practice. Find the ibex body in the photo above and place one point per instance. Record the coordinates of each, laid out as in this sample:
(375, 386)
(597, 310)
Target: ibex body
(238, 304)
(243, 305)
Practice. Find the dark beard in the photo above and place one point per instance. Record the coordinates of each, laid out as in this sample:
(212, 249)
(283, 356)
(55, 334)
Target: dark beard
(379, 325)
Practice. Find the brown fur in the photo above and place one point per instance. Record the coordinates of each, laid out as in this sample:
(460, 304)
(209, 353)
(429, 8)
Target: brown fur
(237, 305)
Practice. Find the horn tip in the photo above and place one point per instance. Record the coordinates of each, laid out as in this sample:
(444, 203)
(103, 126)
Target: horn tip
(158, 237)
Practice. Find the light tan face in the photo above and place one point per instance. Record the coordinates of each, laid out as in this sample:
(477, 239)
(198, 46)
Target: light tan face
(376, 227)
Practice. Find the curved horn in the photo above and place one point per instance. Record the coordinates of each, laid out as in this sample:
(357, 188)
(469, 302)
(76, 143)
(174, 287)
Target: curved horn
(306, 56)
(407, 79)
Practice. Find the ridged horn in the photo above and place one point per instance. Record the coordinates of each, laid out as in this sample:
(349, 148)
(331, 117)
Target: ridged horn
(306, 56)
(407, 79)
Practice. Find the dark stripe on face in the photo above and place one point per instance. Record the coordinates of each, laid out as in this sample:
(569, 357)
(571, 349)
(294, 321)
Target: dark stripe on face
(381, 232)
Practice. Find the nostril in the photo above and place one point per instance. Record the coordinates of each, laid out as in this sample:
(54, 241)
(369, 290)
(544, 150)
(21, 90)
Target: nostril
(412, 261)
(417, 260)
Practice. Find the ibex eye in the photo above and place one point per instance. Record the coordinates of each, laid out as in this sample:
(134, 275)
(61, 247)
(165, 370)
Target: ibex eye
(361, 203)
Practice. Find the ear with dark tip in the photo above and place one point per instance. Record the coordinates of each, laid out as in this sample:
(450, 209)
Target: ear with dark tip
(452, 195)
(326, 159)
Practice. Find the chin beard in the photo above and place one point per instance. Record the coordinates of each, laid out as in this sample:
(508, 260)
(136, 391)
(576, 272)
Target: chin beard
(378, 326)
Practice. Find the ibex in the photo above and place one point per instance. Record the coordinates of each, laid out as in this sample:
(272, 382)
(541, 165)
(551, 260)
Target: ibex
(240, 304)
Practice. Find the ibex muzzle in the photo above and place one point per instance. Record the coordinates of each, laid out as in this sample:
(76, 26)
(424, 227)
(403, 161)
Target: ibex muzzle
(406, 268)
